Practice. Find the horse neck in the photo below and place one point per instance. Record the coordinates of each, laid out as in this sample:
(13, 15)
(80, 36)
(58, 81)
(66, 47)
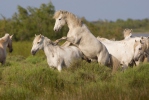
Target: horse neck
(72, 22)
(47, 46)
(4, 44)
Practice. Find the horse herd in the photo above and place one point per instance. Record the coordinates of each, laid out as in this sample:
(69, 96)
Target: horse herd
(82, 44)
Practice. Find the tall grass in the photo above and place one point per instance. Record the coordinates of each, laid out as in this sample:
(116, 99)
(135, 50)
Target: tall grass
(26, 77)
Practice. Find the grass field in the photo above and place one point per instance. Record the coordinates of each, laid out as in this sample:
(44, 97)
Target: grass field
(27, 77)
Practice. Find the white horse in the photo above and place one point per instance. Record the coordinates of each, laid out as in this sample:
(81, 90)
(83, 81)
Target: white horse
(57, 56)
(5, 41)
(124, 50)
(127, 33)
(144, 58)
(80, 36)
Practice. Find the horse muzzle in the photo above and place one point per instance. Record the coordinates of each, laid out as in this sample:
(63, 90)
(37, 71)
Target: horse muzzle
(10, 50)
(33, 52)
(56, 30)
(136, 59)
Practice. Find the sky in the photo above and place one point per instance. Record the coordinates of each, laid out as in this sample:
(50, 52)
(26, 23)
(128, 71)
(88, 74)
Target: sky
(92, 10)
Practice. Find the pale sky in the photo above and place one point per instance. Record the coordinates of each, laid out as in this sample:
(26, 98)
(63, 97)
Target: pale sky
(92, 10)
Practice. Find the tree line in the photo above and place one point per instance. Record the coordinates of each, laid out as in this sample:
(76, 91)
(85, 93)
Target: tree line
(29, 21)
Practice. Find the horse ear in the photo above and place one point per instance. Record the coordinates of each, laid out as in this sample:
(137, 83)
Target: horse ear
(141, 42)
(131, 30)
(125, 29)
(11, 36)
(40, 35)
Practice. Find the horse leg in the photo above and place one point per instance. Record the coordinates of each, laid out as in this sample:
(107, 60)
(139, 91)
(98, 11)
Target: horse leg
(124, 66)
(58, 40)
(114, 63)
(103, 59)
(59, 67)
(61, 63)
(66, 44)
(74, 40)
(85, 58)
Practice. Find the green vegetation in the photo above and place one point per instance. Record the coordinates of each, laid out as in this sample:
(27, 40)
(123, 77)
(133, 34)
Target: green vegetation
(31, 79)
(29, 21)
(27, 77)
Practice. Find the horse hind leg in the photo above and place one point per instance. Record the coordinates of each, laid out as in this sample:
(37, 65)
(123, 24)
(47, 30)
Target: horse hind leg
(86, 59)
(59, 67)
(103, 60)
(114, 63)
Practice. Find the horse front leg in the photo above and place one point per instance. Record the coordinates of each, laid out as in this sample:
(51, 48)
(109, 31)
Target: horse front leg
(66, 44)
(74, 41)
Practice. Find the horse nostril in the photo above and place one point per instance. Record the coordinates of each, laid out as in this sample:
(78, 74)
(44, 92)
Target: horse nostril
(10, 50)
(55, 30)
(33, 52)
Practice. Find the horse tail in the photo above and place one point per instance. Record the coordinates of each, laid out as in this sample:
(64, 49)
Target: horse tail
(115, 63)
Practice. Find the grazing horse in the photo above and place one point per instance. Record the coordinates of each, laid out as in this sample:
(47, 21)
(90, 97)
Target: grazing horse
(80, 36)
(125, 50)
(5, 41)
(57, 56)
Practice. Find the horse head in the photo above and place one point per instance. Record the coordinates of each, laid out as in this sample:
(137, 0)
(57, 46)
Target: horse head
(6, 41)
(127, 33)
(10, 43)
(138, 49)
(37, 44)
(60, 20)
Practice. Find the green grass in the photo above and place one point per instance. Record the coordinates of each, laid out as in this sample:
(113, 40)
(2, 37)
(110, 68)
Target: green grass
(27, 77)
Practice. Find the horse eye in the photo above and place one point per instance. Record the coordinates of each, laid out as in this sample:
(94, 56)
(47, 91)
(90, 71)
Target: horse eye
(140, 48)
(38, 42)
(60, 19)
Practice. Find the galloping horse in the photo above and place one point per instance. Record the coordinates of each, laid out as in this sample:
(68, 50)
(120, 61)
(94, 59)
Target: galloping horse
(5, 41)
(80, 36)
(57, 56)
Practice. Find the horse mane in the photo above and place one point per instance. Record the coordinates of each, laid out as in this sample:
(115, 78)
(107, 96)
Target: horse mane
(4, 38)
(68, 14)
(48, 41)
